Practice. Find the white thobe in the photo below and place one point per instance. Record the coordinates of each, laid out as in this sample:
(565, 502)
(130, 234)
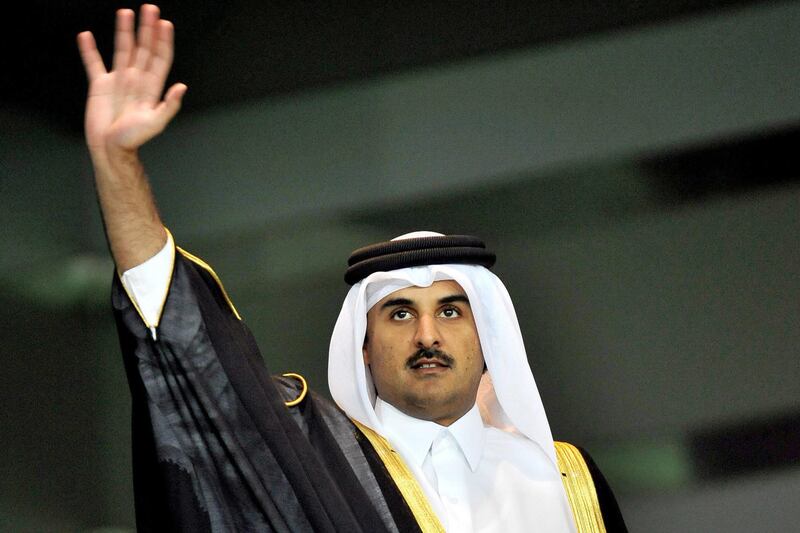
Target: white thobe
(485, 479)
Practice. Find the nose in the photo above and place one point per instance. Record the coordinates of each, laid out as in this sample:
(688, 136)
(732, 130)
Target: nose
(427, 334)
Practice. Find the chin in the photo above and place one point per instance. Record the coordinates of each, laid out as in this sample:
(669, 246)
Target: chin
(428, 407)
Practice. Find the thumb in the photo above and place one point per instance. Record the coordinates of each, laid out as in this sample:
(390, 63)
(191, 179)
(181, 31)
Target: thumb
(171, 104)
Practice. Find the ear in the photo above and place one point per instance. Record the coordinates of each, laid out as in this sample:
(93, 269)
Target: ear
(365, 353)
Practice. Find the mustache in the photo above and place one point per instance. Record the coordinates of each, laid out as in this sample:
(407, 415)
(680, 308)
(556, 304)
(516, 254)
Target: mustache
(430, 353)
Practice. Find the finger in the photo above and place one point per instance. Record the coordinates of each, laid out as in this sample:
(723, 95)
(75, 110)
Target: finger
(90, 56)
(123, 39)
(148, 16)
(171, 104)
(163, 52)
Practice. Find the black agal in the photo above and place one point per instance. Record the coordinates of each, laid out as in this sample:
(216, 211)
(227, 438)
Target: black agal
(417, 251)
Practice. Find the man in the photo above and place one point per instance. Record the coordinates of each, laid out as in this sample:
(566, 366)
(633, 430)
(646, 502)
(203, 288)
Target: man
(439, 425)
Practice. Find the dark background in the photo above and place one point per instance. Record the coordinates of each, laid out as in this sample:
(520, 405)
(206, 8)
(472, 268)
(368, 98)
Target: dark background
(633, 164)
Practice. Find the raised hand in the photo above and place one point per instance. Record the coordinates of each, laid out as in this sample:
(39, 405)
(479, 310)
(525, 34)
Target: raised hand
(124, 108)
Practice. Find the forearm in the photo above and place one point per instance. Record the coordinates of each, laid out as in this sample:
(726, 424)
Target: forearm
(124, 110)
(133, 226)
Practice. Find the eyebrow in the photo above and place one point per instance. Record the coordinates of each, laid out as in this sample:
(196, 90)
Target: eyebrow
(445, 300)
(454, 298)
(396, 301)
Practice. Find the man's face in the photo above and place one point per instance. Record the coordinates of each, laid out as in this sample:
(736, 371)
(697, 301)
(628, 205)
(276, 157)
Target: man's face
(423, 350)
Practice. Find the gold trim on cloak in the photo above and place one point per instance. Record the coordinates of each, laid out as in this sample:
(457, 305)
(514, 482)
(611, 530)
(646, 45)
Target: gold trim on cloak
(205, 266)
(302, 395)
(405, 481)
(575, 476)
(579, 486)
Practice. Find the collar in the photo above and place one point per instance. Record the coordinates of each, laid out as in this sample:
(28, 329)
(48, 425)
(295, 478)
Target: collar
(415, 436)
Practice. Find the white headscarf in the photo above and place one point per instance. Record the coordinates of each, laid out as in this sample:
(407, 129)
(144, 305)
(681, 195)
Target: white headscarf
(507, 398)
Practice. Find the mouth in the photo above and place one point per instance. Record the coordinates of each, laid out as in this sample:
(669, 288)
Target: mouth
(429, 366)
(430, 362)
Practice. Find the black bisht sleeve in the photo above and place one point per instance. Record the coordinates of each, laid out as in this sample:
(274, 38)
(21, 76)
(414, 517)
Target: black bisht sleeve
(214, 446)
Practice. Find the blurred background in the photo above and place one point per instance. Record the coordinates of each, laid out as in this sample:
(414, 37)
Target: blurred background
(633, 164)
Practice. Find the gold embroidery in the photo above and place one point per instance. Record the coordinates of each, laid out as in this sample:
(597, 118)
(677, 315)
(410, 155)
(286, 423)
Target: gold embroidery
(302, 395)
(405, 481)
(207, 268)
(580, 489)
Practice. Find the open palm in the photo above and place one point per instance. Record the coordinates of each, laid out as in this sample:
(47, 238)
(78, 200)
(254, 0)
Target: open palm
(124, 108)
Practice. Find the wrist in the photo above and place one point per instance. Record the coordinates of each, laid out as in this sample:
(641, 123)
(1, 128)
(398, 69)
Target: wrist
(114, 160)
(120, 154)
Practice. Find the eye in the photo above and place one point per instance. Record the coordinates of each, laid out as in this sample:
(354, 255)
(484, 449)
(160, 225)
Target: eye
(450, 312)
(401, 314)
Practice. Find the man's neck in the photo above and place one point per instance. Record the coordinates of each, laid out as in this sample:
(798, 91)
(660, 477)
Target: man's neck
(415, 435)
